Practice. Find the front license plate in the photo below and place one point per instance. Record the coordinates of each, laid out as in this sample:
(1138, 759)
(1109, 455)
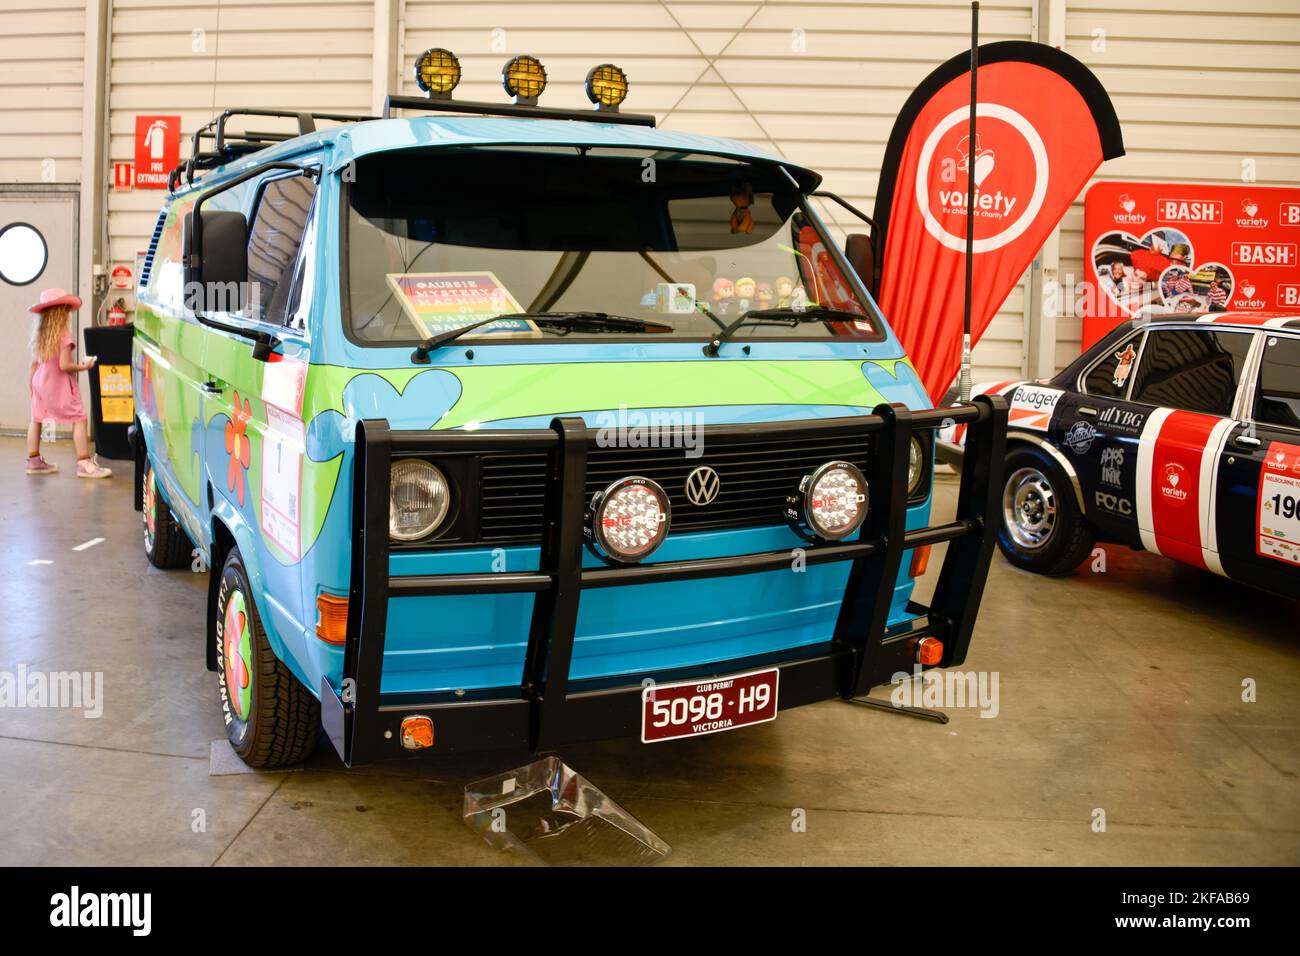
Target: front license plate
(693, 708)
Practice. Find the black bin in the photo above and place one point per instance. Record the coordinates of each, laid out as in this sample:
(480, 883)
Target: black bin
(112, 405)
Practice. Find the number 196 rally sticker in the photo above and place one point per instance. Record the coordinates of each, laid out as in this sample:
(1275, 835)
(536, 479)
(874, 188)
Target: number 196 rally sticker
(1277, 518)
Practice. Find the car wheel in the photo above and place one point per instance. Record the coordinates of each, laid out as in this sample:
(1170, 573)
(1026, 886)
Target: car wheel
(165, 543)
(271, 718)
(1042, 529)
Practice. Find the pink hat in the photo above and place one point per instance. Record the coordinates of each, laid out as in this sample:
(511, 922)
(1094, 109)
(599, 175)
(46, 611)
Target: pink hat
(52, 297)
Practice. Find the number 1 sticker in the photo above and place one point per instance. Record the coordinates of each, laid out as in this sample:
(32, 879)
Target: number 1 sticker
(1277, 515)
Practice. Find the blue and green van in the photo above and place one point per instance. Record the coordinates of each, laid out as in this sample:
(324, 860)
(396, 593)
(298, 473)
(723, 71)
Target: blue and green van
(532, 427)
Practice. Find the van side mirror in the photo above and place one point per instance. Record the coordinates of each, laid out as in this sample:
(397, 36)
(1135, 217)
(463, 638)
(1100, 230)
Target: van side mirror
(216, 261)
(861, 253)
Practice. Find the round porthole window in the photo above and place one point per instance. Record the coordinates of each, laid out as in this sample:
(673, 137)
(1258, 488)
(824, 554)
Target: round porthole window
(23, 253)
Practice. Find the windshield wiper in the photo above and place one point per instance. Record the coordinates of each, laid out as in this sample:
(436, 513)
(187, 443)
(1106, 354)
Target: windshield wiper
(568, 321)
(783, 316)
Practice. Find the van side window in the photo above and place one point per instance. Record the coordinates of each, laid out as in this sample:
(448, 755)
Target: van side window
(1277, 400)
(1196, 370)
(274, 239)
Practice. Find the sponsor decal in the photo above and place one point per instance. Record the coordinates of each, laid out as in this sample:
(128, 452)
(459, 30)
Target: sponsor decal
(1122, 420)
(1115, 504)
(1288, 214)
(1277, 514)
(1172, 475)
(1249, 219)
(1265, 254)
(1288, 294)
(1189, 210)
(1112, 464)
(1032, 407)
(1126, 215)
(1080, 437)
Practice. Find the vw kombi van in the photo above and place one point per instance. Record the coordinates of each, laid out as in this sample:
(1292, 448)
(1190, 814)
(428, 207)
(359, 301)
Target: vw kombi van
(532, 427)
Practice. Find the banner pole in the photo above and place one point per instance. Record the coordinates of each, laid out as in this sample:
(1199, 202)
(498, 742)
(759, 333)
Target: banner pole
(964, 381)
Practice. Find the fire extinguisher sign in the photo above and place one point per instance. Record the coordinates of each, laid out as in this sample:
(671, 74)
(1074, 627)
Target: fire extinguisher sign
(157, 150)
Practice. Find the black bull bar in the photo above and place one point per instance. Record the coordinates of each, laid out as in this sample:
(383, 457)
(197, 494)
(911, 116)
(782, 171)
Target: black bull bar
(546, 708)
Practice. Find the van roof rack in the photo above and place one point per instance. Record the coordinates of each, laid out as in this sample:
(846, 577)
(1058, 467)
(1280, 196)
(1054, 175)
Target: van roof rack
(448, 105)
(227, 146)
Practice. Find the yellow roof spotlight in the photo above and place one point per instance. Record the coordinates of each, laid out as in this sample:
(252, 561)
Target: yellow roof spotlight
(437, 72)
(606, 86)
(524, 78)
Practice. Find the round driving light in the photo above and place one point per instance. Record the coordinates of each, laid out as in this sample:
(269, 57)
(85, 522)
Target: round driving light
(418, 499)
(915, 466)
(524, 78)
(437, 72)
(606, 86)
(629, 519)
(831, 503)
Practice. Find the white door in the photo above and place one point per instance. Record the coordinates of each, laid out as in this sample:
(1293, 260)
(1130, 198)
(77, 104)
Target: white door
(37, 251)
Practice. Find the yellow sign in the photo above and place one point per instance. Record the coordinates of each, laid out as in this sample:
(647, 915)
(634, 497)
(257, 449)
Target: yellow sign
(115, 396)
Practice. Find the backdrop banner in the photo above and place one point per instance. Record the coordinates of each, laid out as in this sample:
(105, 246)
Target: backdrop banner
(1044, 124)
(1167, 248)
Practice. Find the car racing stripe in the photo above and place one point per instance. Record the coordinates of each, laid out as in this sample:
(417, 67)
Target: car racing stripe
(1145, 467)
(1208, 488)
(1177, 459)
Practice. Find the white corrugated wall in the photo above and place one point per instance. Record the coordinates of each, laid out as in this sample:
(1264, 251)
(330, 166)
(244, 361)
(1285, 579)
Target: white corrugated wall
(41, 76)
(165, 55)
(1204, 90)
(1200, 86)
(818, 82)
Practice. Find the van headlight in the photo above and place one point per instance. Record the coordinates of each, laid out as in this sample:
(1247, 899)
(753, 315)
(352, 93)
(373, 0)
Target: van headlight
(418, 499)
(629, 520)
(915, 466)
(830, 503)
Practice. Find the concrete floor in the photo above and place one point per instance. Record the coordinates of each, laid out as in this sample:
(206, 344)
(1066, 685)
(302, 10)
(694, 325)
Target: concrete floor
(1119, 691)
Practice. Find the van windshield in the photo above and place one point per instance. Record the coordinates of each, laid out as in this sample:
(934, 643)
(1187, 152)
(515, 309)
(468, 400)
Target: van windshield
(686, 243)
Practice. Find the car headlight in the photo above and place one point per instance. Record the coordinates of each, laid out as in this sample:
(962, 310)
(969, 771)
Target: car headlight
(831, 502)
(629, 519)
(418, 501)
(915, 466)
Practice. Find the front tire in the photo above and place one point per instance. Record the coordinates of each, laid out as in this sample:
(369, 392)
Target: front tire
(165, 543)
(1041, 528)
(271, 718)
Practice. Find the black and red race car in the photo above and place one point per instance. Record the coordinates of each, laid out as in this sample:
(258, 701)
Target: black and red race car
(1177, 435)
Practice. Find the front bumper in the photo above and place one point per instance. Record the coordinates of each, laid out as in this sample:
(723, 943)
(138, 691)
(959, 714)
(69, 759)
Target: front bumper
(548, 709)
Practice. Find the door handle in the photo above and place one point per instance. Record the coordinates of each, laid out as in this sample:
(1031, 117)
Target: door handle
(1088, 410)
(212, 388)
(1247, 441)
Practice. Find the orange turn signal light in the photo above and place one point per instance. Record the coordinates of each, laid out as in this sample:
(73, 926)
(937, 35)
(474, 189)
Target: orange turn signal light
(417, 732)
(920, 560)
(332, 618)
(929, 650)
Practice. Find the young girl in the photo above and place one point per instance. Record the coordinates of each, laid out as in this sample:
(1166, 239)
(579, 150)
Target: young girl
(55, 392)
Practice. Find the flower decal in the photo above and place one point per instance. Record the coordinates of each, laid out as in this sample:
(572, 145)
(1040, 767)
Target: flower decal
(237, 654)
(238, 447)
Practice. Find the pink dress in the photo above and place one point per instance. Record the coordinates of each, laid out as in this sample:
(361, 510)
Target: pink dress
(55, 393)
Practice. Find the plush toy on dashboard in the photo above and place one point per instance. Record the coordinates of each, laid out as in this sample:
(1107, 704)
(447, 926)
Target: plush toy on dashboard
(744, 293)
(723, 292)
(784, 286)
(742, 197)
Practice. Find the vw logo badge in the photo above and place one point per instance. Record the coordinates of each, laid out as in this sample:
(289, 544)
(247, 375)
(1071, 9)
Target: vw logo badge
(702, 486)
